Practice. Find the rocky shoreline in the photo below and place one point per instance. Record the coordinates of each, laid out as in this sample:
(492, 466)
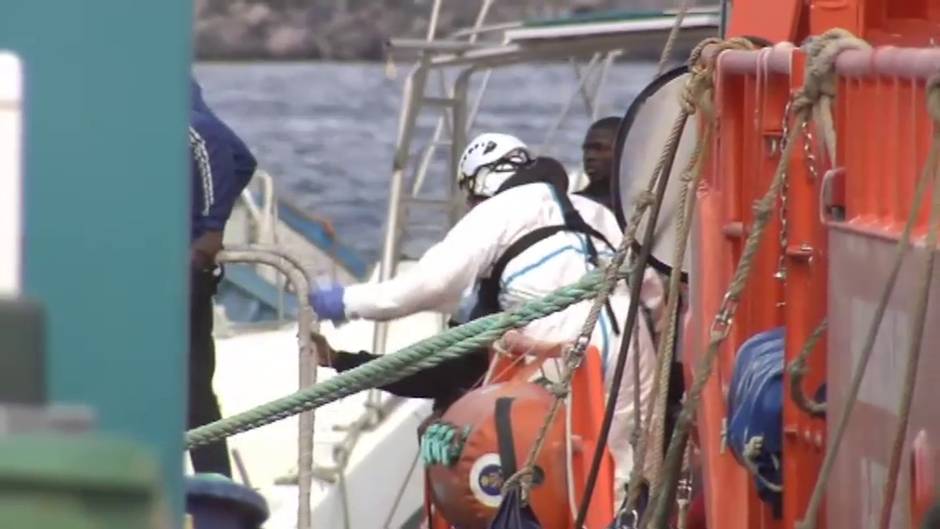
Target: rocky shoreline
(348, 29)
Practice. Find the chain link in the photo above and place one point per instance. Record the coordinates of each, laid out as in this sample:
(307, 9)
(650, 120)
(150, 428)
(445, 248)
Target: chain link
(810, 157)
(808, 154)
(781, 273)
(785, 125)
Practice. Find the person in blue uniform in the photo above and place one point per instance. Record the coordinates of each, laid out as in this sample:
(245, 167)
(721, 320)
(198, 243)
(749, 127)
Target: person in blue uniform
(221, 166)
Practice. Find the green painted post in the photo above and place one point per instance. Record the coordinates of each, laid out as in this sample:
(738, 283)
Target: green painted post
(106, 221)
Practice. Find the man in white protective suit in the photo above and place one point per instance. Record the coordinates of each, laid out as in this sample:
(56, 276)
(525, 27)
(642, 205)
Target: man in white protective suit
(523, 237)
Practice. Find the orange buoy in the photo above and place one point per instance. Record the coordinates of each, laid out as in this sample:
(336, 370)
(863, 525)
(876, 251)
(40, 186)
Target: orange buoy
(501, 422)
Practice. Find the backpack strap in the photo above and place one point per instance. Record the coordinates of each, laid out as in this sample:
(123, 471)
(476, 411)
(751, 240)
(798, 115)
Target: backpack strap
(575, 222)
(488, 293)
(504, 439)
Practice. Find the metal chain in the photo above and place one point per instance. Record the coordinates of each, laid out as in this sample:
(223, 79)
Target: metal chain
(781, 273)
(785, 124)
(808, 152)
(811, 165)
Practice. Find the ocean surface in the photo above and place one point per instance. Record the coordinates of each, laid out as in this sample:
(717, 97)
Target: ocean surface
(326, 131)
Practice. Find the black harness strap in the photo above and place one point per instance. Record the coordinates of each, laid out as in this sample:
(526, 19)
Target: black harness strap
(507, 447)
(488, 294)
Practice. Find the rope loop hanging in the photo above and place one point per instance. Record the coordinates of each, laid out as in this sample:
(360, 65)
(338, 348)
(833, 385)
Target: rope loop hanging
(696, 97)
(819, 73)
(810, 518)
(797, 371)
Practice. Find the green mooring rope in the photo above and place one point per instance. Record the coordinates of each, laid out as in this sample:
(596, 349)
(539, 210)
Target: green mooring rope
(430, 352)
(442, 444)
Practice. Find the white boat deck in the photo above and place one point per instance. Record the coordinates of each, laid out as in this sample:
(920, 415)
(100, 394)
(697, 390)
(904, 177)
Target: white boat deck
(254, 367)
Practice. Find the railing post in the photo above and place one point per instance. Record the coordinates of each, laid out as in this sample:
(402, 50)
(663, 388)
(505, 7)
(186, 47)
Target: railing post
(293, 269)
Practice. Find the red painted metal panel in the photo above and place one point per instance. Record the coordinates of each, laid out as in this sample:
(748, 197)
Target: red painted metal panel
(881, 22)
(751, 94)
(805, 307)
(776, 21)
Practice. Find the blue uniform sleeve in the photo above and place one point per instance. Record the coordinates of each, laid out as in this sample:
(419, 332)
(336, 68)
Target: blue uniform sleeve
(222, 167)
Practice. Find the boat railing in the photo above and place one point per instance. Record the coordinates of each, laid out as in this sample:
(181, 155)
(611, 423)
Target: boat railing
(262, 209)
(291, 267)
(261, 204)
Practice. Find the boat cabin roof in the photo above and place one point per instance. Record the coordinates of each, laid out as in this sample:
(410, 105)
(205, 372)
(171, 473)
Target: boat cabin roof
(552, 39)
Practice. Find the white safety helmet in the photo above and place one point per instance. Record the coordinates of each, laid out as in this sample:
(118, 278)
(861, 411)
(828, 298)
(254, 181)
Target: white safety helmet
(488, 161)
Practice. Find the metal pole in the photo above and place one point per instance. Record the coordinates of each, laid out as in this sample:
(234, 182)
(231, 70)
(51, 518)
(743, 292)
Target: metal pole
(421, 173)
(428, 154)
(461, 85)
(723, 17)
(293, 269)
(583, 81)
(601, 81)
(475, 109)
(414, 89)
(567, 108)
(481, 17)
(432, 22)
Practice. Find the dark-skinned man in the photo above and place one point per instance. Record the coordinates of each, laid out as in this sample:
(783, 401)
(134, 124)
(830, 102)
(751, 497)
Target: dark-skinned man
(598, 159)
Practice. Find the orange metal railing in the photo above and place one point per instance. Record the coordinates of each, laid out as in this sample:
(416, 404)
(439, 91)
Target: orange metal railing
(883, 133)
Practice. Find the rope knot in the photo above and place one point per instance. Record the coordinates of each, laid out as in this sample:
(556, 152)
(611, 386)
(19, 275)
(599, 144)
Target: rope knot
(822, 53)
(644, 199)
(698, 91)
(521, 480)
(442, 443)
(559, 391)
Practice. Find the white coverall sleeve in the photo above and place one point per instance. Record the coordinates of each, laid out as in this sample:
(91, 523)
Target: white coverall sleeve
(443, 273)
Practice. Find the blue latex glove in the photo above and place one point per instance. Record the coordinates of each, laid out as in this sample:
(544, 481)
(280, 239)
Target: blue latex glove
(328, 303)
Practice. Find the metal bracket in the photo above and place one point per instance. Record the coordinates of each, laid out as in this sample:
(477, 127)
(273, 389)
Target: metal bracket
(829, 210)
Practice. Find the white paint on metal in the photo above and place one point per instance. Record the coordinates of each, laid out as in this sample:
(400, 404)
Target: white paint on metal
(11, 98)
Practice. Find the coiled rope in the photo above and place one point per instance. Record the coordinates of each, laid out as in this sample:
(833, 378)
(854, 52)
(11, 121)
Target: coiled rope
(442, 443)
